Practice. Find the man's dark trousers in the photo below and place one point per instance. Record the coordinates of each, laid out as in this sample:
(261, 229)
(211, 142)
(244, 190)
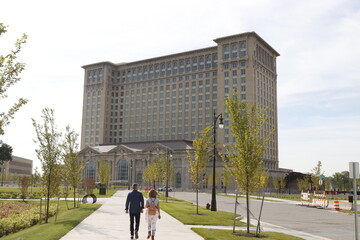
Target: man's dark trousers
(136, 217)
(135, 205)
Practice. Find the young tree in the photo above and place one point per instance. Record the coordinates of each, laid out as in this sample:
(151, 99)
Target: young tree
(5, 155)
(198, 158)
(342, 180)
(153, 172)
(104, 173)
(89, 185)
(244, 155)
(303, 184)
(49, 153)
(73, 167)
(280, 183)
(35, 177)
(24, 183)
(316, 175)
(9, 75)
(226, 179)
(167, 169)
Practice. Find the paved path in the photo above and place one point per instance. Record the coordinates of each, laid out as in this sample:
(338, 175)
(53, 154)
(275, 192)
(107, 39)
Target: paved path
(111, 222)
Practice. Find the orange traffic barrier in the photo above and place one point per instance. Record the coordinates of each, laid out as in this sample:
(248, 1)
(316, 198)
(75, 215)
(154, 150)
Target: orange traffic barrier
(336, 205)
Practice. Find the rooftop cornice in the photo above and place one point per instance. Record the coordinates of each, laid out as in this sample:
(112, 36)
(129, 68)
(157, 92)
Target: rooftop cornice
(247, 34)
(170, 57)
(99, 64)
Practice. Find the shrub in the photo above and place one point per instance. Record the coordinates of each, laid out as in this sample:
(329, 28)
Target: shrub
(20, 219)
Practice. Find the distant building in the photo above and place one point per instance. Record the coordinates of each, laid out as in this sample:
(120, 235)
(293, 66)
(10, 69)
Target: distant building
(18, 166)
(168, 98)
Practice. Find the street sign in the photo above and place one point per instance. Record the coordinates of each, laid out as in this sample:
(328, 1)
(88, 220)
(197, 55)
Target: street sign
(354, 169)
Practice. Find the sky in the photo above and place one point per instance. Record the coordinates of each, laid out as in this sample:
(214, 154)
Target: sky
(318, 68)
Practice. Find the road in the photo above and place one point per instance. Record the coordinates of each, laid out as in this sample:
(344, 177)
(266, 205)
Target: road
(325, 223)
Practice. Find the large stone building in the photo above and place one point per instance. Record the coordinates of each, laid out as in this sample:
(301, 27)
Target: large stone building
(168, 98)
(18, 166)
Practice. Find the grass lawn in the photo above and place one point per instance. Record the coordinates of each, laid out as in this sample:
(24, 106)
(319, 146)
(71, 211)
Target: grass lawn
(349, 212)
(186, 213)
(215, 234)
(66, 220)
(161, 196)
(255, 198)
(109, 192)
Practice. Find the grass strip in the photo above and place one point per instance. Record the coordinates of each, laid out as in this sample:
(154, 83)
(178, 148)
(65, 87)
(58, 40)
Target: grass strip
(216, 234)
(254, 198)
(66, 221)
(185, 212)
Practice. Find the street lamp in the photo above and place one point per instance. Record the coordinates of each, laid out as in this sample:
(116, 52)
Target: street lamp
(168, 175)
(221, 125)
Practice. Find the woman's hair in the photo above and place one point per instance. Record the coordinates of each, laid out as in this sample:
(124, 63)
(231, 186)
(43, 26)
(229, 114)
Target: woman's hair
(152, 193)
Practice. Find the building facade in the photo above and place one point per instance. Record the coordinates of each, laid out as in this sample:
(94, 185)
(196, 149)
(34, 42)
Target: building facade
(18, 166)
(170, 97)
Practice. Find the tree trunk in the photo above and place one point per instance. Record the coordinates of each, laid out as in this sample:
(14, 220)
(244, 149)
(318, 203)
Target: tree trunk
(48, 199)
(247, 213)
(74, 198)
(197, 200)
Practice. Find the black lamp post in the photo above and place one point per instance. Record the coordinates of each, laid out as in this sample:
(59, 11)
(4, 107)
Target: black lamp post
(221, 125)
(169, 155)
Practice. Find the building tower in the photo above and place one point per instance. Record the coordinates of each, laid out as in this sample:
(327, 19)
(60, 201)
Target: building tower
(169, 97)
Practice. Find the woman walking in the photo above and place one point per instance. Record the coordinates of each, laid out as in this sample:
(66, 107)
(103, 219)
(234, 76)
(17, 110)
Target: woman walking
(152, 213)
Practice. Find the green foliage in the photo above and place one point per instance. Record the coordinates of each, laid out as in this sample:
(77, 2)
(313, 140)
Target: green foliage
(342, 180)
(104, 172)
(49, 153)
(160, 170)
(280, 183)
(24, 183)
(152, 173)
(73, 168)
(66, 221)
(244, 157)
(5, 152)
(198, 158)
(316, 175)
(303, 184)
(20, 218)
(9, 75)
(226, 179)
(35, 177)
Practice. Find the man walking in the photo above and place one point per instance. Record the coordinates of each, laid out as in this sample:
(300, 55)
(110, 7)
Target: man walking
(136, 201)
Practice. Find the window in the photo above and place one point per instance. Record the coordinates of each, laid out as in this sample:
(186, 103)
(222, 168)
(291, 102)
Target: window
(123, 170)
(178, 180)
(242, 49)
(91, 169)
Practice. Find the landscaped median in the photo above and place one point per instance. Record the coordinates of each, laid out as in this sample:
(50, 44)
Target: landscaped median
(66, 220)
(216, 234)
(185, 212)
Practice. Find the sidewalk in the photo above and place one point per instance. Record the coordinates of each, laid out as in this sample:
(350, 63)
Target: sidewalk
(111, 222)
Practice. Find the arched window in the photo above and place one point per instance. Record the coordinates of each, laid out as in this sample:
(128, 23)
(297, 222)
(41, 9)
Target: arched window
(123, 170)
(90, 170)
(178, 180)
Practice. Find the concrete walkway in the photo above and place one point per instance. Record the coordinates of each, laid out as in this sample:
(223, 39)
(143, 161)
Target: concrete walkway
(111, 222)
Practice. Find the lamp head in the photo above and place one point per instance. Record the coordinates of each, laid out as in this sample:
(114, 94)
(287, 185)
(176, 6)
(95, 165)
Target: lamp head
(221, 123)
